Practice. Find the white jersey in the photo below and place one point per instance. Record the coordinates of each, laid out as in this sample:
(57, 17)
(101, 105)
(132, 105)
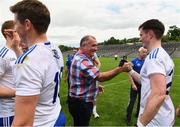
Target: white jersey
(158, 61)
(7, 61)
(38, 72)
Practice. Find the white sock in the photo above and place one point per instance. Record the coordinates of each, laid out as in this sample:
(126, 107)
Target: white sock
(94, 109)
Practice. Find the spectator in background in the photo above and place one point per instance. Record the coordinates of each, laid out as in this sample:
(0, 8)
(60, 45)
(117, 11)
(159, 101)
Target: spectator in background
(67, 68)
(83, 75)
(135, 90)
(68, 65)
(115, 56)
(100, 89)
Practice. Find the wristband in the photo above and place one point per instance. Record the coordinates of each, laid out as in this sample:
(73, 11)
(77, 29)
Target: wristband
(131, 72)
(139, 124)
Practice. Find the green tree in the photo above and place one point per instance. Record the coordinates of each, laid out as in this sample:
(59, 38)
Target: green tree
(173, 33)
(112, 40)
(64, 48)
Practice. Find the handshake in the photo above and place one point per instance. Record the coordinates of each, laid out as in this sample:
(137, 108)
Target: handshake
(127, 67)
(122, 61)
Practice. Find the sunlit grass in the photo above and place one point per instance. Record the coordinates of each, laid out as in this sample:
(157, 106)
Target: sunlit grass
(112, 104)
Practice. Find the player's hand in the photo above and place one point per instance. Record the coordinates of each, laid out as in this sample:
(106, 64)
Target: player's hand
(134, 87)
(127, 67)
(12, 37)
(121, 62)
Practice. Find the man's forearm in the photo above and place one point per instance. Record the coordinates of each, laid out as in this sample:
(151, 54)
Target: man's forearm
(104, 76)
(6, 92)
(153, 105)
(135, 76)
(131, 80)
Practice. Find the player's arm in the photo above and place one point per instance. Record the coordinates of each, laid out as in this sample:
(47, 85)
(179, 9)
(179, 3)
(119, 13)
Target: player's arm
(132, 82)
(104, 76)
(135, 76)
(25, 110)
(6, 92)
(155, 99)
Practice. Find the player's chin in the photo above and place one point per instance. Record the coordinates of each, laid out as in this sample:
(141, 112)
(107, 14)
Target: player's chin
(92, 54)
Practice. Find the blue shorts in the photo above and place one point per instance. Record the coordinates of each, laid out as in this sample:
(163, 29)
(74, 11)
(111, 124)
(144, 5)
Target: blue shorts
(61, 121)
(6, 121)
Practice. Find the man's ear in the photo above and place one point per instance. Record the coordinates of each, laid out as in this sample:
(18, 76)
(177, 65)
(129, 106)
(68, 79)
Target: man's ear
(27, 24)
(151, 34)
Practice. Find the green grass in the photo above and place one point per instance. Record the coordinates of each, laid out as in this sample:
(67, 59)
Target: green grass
(112, 104)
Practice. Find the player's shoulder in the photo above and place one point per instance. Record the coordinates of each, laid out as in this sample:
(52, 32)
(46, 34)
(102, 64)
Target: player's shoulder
(38, 53)
(3, 51)
(157, 53)
(7, 54)
(26, 54)
(83, 57)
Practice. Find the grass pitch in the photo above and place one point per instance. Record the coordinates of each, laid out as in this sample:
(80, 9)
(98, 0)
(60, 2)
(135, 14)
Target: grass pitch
(112, 104)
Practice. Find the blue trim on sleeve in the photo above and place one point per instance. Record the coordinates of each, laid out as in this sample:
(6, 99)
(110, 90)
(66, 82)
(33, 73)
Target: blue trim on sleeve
(153, 55)
(4, 53)
(150, 56)
(2, 49)
(156, 53)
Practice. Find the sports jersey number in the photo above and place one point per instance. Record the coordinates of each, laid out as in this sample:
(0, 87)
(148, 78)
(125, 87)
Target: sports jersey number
(56, 80)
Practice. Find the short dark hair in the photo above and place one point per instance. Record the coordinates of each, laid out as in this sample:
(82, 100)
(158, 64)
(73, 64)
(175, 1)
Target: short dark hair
(155, 25)
(85, 38)
(9, 24)
(35, 11)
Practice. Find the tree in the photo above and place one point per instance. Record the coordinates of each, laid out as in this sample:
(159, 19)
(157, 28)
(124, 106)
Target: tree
(173, 33)
(112, 40)
(64, 48)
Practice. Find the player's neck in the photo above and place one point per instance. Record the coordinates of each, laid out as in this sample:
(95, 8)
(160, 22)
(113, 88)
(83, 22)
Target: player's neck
(37, 38)
(154, 45)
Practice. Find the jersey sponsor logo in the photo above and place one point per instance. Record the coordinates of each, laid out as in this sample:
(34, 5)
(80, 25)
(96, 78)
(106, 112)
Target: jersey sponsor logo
(153, 55)
(12, 59)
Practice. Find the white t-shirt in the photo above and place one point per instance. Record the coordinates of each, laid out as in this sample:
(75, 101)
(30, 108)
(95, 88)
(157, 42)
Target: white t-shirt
(158, 61)
(38, 72)
(7, 61)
